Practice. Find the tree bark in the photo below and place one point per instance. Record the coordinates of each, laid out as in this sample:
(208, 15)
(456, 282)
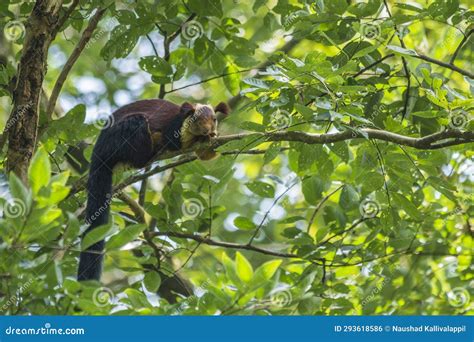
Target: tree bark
(40, 31)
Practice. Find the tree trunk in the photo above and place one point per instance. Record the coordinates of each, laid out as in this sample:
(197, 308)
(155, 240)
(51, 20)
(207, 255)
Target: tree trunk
(41, 29)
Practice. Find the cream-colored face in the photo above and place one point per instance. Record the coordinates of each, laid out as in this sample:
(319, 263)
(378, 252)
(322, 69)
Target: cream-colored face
(204, 121)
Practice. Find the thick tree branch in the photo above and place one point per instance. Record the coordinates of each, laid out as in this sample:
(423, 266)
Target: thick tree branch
(40, 30)
(429, 142)
(448, 137)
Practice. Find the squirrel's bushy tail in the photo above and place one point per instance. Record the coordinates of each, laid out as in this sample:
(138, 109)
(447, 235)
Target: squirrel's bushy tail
(129, 142)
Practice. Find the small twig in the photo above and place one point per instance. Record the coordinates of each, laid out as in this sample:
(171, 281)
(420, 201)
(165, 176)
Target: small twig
(320, 204)
(444, 65)
(257, 230)
(134, 206)
(208, 241)
(373, 64)
(208, 79)
(459, 47)
(405, 66)
(66, 15)
(86, 36)
(382, 169)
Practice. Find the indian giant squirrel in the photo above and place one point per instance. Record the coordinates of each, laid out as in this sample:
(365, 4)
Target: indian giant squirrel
(138, 132)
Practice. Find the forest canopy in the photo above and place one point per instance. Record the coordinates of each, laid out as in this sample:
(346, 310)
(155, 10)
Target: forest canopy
(343, 184)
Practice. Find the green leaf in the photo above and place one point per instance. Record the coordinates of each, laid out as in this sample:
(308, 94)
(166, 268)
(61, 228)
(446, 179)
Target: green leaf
(401, 51)
(39, 171)
(403, 203)
(156, 66)
(244, 223)
(126, 235)
(95, 235)
(19, 191)
(271, 153)
(313, 188)
(365, 9)
(232, 80)
(152, 281)
(268, 269)
(349, 198)
(307, 112)
(341, 150)
(264, 273)
(261, 188)
(206, 8)
(243, 268)
(252, 126)
(230, 269)
(122, 41)
(136, 298)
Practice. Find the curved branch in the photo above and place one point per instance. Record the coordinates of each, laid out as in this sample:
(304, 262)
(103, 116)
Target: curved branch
(444, 65)
(86, 36)
(210, 242)
(461, 44)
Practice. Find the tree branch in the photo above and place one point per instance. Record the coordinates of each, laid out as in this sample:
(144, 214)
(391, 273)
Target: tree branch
(211, 242)
(444, 65)
(361, 71)
(461, 44)
(40, 30)
(448, 137)
(405, 66)
(86, 36)
(319, 206)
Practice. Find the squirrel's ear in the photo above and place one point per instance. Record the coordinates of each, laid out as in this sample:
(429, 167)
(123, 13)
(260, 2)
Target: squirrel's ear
(187, 109)
(223, 108)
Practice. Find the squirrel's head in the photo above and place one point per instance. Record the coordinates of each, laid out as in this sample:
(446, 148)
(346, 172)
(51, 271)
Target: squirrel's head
(202, 119)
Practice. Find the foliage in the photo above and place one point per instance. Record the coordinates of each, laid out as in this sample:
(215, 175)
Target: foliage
(358, 226)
